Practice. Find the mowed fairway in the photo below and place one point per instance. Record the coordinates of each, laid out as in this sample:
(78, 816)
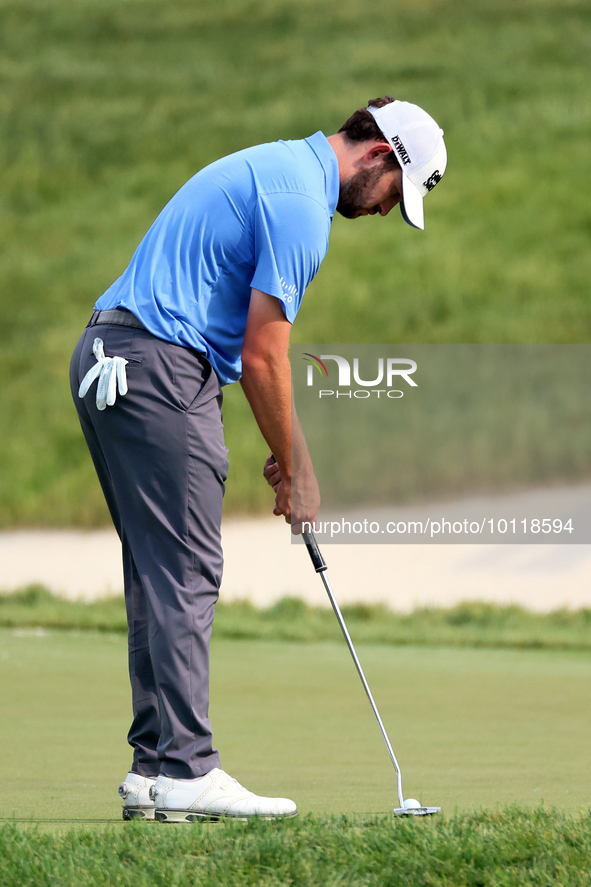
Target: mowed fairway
(471, 728)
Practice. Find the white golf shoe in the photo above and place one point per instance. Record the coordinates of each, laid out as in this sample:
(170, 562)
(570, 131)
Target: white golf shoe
(135, 793)
(213, 796)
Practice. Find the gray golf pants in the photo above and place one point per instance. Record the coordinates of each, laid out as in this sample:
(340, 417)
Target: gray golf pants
(161, 460)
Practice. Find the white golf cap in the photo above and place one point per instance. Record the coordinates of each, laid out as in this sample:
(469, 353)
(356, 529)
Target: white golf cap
(417, 142)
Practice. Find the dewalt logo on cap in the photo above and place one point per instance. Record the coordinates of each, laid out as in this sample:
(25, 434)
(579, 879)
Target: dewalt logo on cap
(404, 155)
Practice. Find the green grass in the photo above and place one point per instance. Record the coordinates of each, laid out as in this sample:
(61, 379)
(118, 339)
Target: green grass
(108, 106)
(495, 737)
(470, 624)
(507, 848)
(472, 728)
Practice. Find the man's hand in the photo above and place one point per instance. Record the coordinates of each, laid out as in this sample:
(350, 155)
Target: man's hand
(272, 472)
(299, 500)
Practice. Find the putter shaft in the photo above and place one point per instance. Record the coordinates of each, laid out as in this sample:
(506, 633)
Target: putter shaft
(320, 567)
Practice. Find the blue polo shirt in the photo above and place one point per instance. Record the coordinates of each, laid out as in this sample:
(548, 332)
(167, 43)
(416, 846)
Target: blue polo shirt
(259, 219)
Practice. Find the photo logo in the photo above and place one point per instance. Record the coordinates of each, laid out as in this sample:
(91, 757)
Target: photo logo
(314, 362)
(389, 371)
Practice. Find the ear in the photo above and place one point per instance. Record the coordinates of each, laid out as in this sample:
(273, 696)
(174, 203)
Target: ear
(376, 153)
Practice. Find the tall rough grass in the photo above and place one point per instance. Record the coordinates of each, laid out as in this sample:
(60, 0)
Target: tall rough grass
(470, 624)
(108, 106)
(508, 847)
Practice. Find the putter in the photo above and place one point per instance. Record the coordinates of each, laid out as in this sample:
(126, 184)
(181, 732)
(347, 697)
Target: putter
(410, 807)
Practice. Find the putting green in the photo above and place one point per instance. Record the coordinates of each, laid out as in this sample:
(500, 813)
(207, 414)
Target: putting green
(471, 728)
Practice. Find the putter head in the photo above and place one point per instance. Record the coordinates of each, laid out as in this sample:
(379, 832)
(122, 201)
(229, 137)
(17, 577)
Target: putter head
(416, 811)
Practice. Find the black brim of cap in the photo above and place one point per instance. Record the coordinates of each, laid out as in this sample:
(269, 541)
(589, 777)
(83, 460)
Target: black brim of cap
(407, 220)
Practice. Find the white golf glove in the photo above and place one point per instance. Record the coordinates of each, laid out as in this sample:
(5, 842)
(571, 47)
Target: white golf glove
(111, 374)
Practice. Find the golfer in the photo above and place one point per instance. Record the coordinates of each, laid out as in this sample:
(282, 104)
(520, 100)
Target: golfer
(208, 299)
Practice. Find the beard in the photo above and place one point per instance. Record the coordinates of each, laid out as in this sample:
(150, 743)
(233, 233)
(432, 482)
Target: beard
(354, 194)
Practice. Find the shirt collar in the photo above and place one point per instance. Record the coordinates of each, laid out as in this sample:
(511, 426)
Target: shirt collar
(328, 160)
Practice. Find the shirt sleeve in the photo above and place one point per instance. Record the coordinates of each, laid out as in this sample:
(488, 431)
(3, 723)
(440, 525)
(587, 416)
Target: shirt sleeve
(290, 241)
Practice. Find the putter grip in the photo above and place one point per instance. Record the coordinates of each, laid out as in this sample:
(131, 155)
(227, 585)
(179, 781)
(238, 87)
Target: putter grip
(314, 551)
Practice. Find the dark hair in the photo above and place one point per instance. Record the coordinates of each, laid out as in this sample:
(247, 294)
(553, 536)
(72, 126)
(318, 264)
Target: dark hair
(362, 127)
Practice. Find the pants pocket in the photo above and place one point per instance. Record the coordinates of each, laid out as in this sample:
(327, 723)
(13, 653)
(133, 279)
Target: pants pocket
(195, 381)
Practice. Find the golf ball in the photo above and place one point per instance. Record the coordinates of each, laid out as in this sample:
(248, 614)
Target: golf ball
(411, 804)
